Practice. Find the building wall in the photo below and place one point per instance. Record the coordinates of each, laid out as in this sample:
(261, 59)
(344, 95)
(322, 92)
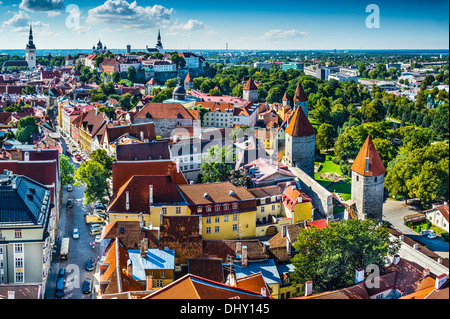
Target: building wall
(300, 152)
(245, 226)
(436, 218)
(164, 127)
(251, 95)
(301, 212)
(368, 194)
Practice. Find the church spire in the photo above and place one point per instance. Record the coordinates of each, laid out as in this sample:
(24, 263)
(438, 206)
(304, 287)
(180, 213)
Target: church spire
(30, 44)
(159, 43)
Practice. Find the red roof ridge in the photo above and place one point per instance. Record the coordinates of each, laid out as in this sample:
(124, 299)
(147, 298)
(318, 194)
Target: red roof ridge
(250, 85)
(375, 164)
(300, 125)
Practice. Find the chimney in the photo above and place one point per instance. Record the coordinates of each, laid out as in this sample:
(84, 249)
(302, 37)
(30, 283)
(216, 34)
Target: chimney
(439, 260)
(283, 231)
(129, 268)
(396, 259)
(141, 221)
(264, 248)
(426, 272)
(149, 283)
(440, 280)
(230, 280)
(244, 260)
(142, 135)
(127, 200)
(402, 237)
(144, 246)
(359, 275)
(308, 288)
(264, 292)
(416, 246)
(161, 216)
(150, 195)
(238, 248)
(288, 246)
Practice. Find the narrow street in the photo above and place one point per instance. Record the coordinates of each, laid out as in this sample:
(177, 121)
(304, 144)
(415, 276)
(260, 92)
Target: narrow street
(80, 249)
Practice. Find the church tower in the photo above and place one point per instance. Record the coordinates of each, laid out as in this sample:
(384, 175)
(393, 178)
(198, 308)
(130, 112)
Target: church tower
(368, 182)
(300, 99)
(300, 145)
(188, 82)
(250, 91)
(159, 45)
(286, 99)
(30, 54)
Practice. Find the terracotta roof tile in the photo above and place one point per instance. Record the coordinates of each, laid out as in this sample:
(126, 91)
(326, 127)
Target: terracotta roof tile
(300, 95)
(208, 268)
(250, 85)
(299, 125)
(375, 167)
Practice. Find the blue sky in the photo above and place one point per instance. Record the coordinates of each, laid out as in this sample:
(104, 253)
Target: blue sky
(201, 24)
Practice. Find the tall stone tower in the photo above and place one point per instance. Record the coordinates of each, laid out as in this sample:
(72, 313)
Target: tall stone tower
(188, 82)
(286, 99)
(300, 142)
(250, 91)
(368, 182)
(300, 99)
(30, 54)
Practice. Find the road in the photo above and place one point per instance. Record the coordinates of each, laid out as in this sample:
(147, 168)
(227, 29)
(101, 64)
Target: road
(393, 212)
(80, 249)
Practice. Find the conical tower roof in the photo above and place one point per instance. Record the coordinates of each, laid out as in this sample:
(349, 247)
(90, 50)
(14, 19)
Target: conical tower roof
(300, 125)
(250, 85)
(373, 166)
(300, 95)
(285, 96)
(188, 78)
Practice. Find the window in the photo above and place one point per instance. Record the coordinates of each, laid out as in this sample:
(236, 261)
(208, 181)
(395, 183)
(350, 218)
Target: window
(159, 283)
(217, 229)
(178, 210)
(226, 207)
(19, 262)
(263, 201)
(208, 209)
(235, 227)
(235, 206)
(18, 233)
(262, 209)
(1, 234)
(217, 208)
(217, 219)
(235, 217)
(18, 248)
(208, 220)
(208, 230)
(163, 274)
(19, 276)
(151, 274)
(225, 218)
(273, 207)
(164, 210)
(199, 209)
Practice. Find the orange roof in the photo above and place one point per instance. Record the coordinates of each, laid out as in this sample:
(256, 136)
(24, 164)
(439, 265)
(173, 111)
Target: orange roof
(194, 287)
(369, 151)
(300, 125)
(250, 85)
(189, 78)
(253, 282)
(300, 95)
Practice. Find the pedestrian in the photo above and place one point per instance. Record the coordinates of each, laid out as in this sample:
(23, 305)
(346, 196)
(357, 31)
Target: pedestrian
(90, 244)
(93, 245)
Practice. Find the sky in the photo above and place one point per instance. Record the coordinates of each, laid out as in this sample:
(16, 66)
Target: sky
(209, 24)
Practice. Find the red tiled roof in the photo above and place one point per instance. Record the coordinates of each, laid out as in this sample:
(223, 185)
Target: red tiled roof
(163, 111)
(250, 85)
(300, 95)
(189, 78)
(368, 150)
(300, 125)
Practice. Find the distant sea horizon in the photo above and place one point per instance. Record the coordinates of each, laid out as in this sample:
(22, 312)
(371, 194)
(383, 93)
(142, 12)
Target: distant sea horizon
(65, 52)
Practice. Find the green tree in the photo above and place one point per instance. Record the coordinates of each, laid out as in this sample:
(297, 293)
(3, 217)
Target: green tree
(215, 92)
(28, 90)
(94, 176)
(116, 76)
(326, 135)
(373, 111)
(67, 170)
(330, 256)
(178, 60)
(132, 74)
(385, 149)
(25, 129)
(217, 164)
(125, 102)
(101, 156)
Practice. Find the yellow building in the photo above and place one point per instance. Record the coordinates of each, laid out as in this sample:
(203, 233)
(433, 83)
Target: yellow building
(91, 125)
(297, 206)
(149, 196)
(228, 211)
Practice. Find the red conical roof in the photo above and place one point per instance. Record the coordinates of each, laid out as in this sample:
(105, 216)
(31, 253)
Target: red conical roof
(300, 95)
(375, 165)
(250, 85)
(285, 96)
(189, 78)
(300, 125)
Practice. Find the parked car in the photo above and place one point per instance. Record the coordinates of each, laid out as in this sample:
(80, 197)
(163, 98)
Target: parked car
(425, 232)
(87, 286)
(92, 219)
(76, 233)
(98, 238)
(78, 157)
(69, 188)
(60, 281)
(70, 203)
(432, 235)
(90, 265)
(95, 231)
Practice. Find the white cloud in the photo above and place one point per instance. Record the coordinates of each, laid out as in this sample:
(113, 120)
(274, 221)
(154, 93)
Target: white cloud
(52, 14)
(283, 34)
(20, 22)
(192, 25)
(42, 5)
(129, 14)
